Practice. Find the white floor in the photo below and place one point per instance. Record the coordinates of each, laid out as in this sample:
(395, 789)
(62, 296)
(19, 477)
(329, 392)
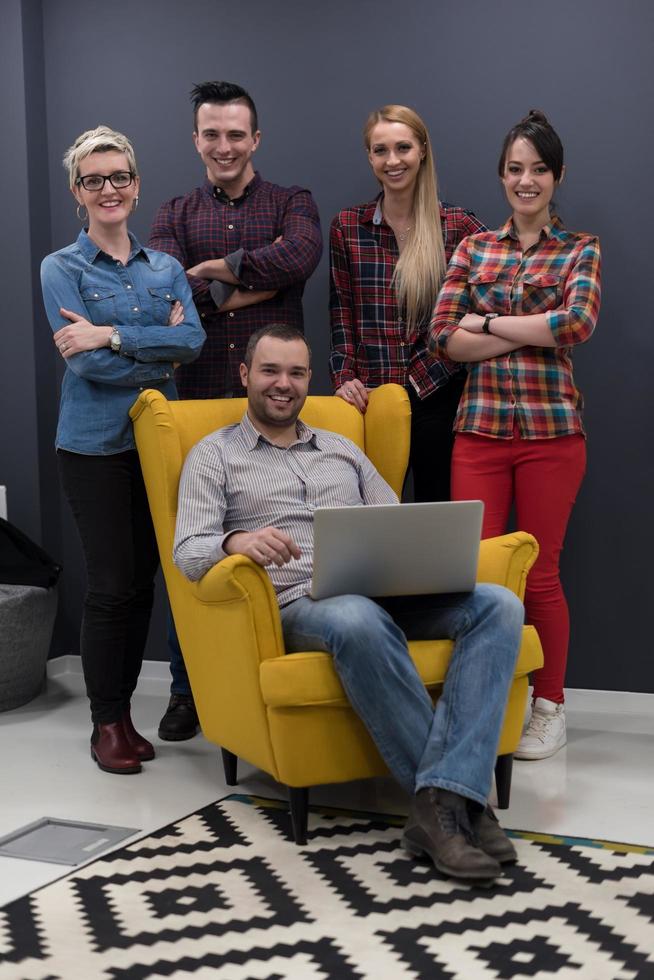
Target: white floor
(600, 786)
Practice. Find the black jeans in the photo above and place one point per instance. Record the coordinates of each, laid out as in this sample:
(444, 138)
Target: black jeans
(108, 500)
(432, 439)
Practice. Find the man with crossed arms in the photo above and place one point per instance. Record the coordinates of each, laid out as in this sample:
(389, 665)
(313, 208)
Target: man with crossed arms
(248, 247)
(251, 489)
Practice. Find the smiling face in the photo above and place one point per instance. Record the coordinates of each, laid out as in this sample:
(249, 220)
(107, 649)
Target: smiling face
(277, 383)
(111, 206)
(395, 155)
(529, 183)
(225, 142)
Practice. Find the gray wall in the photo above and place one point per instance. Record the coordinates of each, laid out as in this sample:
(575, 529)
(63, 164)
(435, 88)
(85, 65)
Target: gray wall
(471, 69)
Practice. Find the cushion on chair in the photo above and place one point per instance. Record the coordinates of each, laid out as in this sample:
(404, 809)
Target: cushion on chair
(304, 679)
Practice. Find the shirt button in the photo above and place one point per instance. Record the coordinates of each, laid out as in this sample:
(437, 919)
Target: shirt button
(231, 314)
(231, 347)
(166, 376)
(95, 295)
(231, 204)
(135, 308)
(250, 287)
(231, 227)
(128, 286)
(167, 295)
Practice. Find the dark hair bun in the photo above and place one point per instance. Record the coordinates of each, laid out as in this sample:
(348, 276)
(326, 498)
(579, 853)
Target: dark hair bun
(536, 128)
(536, 116)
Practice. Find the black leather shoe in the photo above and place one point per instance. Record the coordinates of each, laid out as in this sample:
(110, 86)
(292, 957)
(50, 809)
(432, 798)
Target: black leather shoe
(489, 836)
(438, 826)
(181, 719)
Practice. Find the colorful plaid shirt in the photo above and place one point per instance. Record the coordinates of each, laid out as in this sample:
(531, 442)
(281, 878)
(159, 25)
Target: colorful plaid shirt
(532, 387)
(368, 331)
(206, 224)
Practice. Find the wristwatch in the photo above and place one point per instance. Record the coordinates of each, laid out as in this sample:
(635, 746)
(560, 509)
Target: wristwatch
(487, 319)
(115, 342)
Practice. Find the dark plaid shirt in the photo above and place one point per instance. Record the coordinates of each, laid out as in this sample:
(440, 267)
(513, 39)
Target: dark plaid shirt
(530, 386)
(368, 331)
(206, 224)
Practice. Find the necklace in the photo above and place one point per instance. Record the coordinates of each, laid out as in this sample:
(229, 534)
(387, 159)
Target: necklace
(400, 235)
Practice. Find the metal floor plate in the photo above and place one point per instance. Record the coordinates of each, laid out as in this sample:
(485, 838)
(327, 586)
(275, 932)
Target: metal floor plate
(62, 841)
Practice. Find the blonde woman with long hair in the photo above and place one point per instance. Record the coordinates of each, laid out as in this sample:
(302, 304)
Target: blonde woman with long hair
(387, 262)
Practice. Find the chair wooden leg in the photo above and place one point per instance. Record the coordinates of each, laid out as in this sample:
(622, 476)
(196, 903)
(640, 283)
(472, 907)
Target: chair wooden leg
(229, 765)
(503, 767)
(299, 802)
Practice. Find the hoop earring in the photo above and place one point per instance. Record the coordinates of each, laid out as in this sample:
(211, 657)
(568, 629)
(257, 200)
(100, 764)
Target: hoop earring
(135, 203)
(82, 217)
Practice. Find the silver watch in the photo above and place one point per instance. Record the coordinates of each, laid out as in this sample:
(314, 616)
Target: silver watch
(115, 342)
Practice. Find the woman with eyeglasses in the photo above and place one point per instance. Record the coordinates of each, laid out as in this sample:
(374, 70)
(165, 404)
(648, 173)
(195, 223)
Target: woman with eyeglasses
(122, 317)
(387, 262)
(514, 304)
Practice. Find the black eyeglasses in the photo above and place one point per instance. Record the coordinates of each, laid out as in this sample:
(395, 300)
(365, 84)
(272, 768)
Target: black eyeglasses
(95, 182)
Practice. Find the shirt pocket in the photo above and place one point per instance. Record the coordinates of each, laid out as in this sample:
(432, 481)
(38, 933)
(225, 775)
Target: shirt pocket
(488, 292)
(100, 302)
(161, 301)
(542, 291)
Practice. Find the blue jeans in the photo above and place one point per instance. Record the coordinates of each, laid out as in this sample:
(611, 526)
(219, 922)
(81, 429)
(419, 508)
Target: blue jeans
(180, 683)
(453, 745)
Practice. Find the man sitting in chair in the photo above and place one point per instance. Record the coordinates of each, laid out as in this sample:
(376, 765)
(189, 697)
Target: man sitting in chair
(251, 489)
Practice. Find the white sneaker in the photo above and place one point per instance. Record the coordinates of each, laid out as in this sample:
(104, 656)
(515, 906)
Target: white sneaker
(545, 733)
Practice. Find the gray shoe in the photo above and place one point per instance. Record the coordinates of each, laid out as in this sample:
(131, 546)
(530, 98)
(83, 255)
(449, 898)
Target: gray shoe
(489, 836)
(438, 826)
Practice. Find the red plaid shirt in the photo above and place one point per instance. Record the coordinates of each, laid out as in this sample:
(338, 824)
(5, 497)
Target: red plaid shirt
(206, 224)
(368, 331)
(531, 386)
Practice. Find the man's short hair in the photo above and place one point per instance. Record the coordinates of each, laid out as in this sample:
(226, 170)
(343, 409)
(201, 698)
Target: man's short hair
(278, 331)
(220, 93)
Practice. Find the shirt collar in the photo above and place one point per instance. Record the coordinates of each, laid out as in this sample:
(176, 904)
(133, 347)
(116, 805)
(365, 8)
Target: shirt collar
(372, 213)
(553, 229)
(91, 251)
(251, 434)
(219, 194)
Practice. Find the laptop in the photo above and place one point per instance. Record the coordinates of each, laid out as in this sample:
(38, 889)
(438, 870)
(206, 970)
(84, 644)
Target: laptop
(396, 549)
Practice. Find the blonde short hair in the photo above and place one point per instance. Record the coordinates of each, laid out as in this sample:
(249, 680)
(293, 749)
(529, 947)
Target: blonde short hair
(98, 140)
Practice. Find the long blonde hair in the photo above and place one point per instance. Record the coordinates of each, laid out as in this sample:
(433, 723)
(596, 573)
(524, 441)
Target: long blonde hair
(420, 269)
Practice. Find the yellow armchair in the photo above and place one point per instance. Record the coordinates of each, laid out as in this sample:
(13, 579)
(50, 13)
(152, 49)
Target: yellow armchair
(288, 714)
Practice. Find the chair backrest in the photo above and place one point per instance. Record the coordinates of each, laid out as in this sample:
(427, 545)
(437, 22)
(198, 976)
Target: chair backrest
(165, 431)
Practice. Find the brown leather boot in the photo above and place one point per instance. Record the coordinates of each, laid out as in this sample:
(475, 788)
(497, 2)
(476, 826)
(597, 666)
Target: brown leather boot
(487, 834)
(143, 749)
(438, 827)
(111, 750)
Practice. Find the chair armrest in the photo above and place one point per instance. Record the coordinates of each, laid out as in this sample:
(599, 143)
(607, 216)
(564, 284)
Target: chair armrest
(240, 581)
(506, 560)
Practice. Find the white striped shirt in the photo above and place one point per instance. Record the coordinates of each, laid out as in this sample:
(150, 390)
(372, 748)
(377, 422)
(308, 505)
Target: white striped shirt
(236, 480)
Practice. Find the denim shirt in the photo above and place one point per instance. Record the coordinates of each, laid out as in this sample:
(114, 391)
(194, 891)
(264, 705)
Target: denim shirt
(100, 386)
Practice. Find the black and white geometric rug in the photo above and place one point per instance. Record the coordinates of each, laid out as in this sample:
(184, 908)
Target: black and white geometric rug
(224, 894)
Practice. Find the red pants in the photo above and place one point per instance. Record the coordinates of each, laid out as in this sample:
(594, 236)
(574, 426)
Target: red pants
(541, 477)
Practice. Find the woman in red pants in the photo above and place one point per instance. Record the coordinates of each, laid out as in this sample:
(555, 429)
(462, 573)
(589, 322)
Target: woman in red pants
(514, 302)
